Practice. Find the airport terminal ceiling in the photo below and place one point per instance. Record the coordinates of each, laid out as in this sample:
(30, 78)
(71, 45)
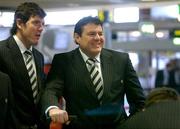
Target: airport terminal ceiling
(70, 4)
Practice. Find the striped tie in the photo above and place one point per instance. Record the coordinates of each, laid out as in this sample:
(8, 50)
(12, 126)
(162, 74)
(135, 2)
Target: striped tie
(96, 78)
(31, 72)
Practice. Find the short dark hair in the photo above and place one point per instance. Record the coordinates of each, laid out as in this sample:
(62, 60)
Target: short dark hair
(161, 94)
(84, 21)
(24, 11)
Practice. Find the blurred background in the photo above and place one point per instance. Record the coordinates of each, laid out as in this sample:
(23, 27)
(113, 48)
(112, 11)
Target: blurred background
(149, 30)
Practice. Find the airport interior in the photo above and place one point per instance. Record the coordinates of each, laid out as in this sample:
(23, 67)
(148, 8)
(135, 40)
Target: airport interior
(149, 30)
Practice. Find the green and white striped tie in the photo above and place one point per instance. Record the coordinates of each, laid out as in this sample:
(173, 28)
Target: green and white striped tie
(96, 78)
(32, 74)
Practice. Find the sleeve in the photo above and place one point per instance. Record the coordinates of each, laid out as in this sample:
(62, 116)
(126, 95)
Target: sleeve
(134, 91)
(54, 85)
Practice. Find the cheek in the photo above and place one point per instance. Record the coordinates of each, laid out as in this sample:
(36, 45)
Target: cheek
(28, 31)
(32, 29)
(102, 39)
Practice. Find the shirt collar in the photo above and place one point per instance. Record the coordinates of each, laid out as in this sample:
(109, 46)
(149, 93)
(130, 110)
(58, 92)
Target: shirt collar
(20, 44)
(85, 57)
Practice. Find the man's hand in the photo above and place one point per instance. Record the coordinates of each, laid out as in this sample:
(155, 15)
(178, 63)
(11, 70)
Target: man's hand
(59, 116)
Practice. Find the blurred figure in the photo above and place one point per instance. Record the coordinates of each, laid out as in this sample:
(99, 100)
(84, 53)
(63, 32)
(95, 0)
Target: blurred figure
(5, 100)
(162, 111)
(170, 76)
(161, 95)
(24, 65)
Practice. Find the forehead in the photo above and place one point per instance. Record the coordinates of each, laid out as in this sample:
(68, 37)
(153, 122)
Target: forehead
(91, 27)
(36, 17)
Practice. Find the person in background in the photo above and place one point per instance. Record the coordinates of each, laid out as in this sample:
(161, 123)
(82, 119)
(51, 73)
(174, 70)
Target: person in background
(170, 76)
(5, 99)
(161, 94)
(162, 111)
(93, 81)
(24, 65)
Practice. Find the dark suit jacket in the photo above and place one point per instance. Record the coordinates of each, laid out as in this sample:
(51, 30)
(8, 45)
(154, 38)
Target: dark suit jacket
(5, 99)
(159, 78)
(12, 63)
(164, 115)
(70, 78)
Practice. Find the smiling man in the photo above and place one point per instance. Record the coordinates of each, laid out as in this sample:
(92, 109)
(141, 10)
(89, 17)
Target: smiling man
(93, 80)
(24, 65)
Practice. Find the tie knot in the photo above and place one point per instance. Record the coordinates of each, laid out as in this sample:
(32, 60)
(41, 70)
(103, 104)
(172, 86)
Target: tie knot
(27, 54)
(91, 61)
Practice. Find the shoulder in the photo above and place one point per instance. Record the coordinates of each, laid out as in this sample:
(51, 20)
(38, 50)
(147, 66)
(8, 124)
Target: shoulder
(65, 58)
(115, 54)
(7, 43)
(66, 55)
(4, 42)
(37, 52)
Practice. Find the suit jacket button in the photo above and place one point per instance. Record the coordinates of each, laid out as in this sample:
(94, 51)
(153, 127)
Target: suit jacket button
(6, 100)
(121, 81)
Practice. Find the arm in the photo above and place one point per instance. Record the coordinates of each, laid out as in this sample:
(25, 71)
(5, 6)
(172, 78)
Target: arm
(133, 89)
(53, 91)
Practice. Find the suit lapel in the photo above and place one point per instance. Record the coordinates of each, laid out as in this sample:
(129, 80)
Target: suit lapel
(80, 67)
(19, 66)
(38, 71)
(18, 61)
(38, 66)
(107, 71)
(19, 71)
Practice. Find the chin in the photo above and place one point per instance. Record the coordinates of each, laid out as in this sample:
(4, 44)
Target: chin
(35, 43)
(98, 50)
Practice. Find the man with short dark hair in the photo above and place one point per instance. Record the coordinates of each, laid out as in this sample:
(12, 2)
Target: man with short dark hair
(24, 65)
(93, 80)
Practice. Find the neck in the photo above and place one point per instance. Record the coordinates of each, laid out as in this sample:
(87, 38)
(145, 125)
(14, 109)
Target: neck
(23, 40)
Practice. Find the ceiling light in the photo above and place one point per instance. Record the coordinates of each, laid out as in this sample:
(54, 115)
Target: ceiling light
(147, 0)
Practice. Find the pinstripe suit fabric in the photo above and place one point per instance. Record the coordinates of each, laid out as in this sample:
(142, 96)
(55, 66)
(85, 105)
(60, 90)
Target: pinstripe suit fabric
(12, 63)
(69, 77)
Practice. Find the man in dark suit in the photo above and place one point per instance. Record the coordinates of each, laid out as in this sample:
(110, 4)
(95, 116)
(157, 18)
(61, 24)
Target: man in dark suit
(24, 64)
(100, 107)
(5, 99)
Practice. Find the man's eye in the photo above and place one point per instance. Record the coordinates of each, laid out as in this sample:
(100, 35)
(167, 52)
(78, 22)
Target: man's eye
(100, 34)
(37, 23)
(92, 34)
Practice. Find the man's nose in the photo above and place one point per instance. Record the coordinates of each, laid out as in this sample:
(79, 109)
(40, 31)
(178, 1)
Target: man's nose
(97, 36)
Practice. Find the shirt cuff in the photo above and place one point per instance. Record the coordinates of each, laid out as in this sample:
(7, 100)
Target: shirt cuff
(47, 111)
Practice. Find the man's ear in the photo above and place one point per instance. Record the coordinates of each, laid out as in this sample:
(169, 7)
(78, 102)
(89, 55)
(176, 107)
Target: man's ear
(76, 38)
(19, 23)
